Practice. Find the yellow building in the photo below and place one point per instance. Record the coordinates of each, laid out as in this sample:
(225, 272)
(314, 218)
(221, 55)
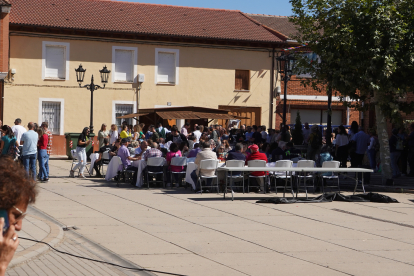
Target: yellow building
(187, 56)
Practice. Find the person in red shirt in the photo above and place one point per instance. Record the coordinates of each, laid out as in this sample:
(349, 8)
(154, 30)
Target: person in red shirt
(256, 155)
(43, 157)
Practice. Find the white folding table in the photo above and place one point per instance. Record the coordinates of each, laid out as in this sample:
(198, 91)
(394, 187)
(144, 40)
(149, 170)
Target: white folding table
(297, 170)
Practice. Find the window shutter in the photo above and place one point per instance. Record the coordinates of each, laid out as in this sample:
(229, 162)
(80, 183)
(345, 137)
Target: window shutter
(55, 62)
(242, 80)
(166, 68)
(124, 65)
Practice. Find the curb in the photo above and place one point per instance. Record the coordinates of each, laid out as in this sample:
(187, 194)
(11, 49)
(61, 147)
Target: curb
(54, 238)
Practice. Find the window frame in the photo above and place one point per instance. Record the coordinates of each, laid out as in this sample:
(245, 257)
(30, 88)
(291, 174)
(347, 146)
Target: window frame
(176, 53)
(242, 90)
(135, 63)
(66, 46)
(114, 103)
(62, 112)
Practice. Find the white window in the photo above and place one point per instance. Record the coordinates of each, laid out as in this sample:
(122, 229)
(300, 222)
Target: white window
(124, 64)
(166, 66)
(121, 108)
(55, 60)
(52, 111)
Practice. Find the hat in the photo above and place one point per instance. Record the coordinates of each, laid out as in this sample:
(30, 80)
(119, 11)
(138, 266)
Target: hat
(254, 147)
(124, 140)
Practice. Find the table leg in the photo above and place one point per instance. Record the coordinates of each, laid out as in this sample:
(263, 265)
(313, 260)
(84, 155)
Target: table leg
(225, 186)
(362, 182)
(356, 182)
(231, 185)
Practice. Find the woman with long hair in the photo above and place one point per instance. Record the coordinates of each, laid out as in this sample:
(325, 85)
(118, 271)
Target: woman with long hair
(8, 140)
(124, 133)
(83, 142)
(227, 146)
(102, 134)
(113, 134)
(341, 146)
(43, 157)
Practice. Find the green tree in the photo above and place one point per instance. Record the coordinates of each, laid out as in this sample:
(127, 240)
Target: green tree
(366, 51)
(297, 135)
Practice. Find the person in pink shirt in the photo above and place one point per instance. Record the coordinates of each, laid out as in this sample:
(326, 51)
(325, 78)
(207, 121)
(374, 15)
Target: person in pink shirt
(174, 152)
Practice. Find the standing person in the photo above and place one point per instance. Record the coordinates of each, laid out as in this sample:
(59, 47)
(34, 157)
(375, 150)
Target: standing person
(113, 134)
(8, 140)
(396, 147)
(361, 145)
(45, 126)
(176, 137)
(353, 129)
(83, 142)
(410, 144)
(264, 133)
(43, 158)
(29, 141)
(184, 129)
(18, 130)
(161, 131)
(372, 149)
(306, 131)
(102, 134)
(197, 133)
(314, 144)
(341, 146)
(257, 136)
(155, 136)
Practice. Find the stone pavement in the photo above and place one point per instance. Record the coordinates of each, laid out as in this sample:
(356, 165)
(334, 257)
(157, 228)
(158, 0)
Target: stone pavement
(191, 234)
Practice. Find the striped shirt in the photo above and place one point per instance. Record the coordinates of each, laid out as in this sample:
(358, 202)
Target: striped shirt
(49, 143)
(152, 153)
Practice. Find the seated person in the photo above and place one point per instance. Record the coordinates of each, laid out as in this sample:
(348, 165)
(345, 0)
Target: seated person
(184, 148)
(191, 141)
(124, 133)
(176, 136)
(153, 152)
(99, 161)
(141, 149)
(194, 151)
(174, 152)
(221, 154)
(114, 149)
(236, 155)
(256, 155)
(279, 152)
(133, 147)
(206, 153)
(126, 159)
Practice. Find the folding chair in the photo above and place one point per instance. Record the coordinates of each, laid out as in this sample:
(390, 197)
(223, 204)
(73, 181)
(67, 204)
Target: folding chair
(330, 164)
(305, 164)
(232, 176)
(208, 164)
(155, 162)
(284, 175)
(180, 162)
(255, 164)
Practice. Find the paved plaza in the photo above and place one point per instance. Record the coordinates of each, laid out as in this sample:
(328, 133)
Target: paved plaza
(176, 231)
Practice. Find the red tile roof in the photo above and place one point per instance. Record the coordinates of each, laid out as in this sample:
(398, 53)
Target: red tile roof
(4, 3)
(280, 24)
(138, 18)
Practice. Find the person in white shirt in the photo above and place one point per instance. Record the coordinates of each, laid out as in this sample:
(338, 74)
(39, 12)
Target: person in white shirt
(18, 130)
(341, 146)
(197, 133)
(113, 134)
(264, 133)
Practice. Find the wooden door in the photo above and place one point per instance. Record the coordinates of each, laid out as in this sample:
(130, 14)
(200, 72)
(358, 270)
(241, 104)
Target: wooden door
(252, 113)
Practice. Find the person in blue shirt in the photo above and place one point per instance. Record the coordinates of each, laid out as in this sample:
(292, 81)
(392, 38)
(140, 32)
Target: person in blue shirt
(362, 141)
(8, 140)
(29, 141)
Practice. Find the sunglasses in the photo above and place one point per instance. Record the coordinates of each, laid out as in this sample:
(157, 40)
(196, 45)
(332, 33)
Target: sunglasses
(21, 216)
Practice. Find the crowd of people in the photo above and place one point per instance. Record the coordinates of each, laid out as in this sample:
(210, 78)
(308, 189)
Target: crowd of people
(31, 146)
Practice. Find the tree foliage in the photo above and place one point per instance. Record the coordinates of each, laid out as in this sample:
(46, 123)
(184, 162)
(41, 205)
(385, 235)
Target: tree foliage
(366, 50)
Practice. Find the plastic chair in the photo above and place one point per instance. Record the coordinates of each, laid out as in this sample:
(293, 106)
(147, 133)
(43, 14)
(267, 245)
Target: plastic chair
(180, 162)
(105, 161)
(208, 164)
(155, 162)
(284, 175)
(257, 164)
(305, 164)
(330, 164)
(232, 177)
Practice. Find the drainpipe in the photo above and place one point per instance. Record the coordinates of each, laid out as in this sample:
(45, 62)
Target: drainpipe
(272, 85)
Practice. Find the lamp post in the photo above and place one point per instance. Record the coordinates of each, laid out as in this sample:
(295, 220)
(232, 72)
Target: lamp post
(80, 74)
(286, 64)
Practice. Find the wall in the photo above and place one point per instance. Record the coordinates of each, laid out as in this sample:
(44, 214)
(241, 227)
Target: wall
(206, 78)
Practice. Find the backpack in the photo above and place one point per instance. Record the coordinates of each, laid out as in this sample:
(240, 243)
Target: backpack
(161, 133)
(316, 141)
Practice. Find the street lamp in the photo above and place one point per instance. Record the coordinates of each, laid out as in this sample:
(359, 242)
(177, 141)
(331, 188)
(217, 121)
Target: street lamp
(80, 74)
(286, 64)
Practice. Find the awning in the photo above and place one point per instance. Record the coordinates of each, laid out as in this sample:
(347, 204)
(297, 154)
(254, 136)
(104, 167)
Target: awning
(132, 115)
(171, 115)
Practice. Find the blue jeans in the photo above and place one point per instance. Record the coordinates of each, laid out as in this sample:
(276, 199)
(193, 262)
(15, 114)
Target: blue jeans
(372, 160)
(29, 163)
(43, 163)
(394, 163)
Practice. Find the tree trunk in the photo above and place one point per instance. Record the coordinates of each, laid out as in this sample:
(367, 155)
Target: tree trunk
(384, 145)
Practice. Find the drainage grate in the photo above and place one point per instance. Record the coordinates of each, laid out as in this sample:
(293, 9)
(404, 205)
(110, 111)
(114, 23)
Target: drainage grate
(377, 219)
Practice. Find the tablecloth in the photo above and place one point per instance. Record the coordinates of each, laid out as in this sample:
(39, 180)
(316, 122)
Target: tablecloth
(93, 157)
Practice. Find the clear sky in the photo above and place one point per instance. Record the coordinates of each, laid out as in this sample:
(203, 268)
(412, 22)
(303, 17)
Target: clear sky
(272, 7)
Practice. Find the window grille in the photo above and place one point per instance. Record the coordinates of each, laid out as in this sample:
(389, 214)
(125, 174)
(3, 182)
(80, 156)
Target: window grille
(51, 113)
(121, 110)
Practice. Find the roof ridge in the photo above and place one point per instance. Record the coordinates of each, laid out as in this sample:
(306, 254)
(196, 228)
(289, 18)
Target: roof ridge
(270, 30)
(162, 5)
(268, 15)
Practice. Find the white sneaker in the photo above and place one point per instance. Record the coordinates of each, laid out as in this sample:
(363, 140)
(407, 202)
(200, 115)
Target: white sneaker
(72, 174)
(82, 176)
